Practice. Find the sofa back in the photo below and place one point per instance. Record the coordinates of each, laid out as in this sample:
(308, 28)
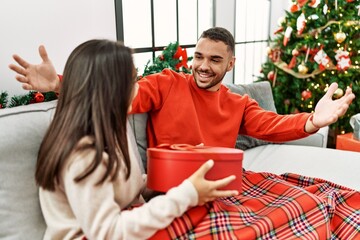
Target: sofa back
(22, 130)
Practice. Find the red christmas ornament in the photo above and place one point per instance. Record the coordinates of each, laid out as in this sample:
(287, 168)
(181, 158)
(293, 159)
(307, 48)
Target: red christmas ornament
(1, 106)
(274, 54)
(181, 54)
(302, 2)
(279, 30)
(306, 94)
(292, 62)
(271, 75)
(161, 57)
(294, 8)
(350, 1)
(39, 97)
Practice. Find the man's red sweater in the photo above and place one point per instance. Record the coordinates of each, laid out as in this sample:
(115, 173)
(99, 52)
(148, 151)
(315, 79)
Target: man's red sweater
(180, 112)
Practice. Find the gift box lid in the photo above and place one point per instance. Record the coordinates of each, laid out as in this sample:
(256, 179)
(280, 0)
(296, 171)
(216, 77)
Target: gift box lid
(190, 152)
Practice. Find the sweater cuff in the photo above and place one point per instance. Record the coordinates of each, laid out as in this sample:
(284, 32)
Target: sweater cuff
(188, 189)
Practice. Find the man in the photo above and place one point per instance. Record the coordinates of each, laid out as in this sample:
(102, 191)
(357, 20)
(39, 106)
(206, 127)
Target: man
(197, 109)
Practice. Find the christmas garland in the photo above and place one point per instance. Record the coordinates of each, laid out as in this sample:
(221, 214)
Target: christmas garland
(29, 98)
(173, 57)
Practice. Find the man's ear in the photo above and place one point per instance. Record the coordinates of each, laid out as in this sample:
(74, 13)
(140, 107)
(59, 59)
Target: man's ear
(231, 64)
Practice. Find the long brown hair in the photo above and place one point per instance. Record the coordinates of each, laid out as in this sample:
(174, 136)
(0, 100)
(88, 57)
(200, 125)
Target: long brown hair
(96, 92)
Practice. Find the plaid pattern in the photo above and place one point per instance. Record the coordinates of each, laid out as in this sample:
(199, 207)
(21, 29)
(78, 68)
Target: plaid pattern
(288, 206)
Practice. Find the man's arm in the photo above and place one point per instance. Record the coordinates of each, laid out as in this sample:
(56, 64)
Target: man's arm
(40, 77)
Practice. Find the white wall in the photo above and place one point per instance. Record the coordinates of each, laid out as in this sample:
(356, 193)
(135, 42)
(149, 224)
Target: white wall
(278, 8)
(224, 17)
(62, 25)
(59, 25)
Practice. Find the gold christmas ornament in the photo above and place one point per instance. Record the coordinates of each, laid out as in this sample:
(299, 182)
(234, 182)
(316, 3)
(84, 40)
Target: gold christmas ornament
(339, 37)
(268, 50)
(338, 93)
(302, 68)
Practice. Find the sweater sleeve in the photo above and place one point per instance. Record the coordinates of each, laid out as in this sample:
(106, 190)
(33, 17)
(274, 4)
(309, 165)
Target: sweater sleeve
(153, 91)
(99, 215)
(268, 125)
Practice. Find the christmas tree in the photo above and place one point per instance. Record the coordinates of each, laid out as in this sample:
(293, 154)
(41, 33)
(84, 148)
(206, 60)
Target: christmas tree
(317, 43)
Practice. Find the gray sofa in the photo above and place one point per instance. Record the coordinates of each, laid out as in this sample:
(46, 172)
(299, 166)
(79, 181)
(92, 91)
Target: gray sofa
(22, 129)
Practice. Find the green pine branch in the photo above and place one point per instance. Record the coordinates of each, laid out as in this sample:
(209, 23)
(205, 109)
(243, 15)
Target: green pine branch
(165, 60)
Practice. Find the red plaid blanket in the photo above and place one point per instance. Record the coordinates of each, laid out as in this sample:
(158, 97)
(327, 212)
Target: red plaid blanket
(289, 206)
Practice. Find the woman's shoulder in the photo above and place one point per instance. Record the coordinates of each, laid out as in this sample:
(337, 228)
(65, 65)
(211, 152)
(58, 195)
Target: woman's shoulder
(83, 154)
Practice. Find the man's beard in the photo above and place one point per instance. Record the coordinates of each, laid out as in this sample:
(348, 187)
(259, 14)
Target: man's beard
(211, 84)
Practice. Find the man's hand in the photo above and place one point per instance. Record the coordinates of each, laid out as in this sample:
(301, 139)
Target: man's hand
(41, 77)
(327, 110)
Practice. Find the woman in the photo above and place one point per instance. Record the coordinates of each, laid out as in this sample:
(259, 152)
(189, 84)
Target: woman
(87, 168)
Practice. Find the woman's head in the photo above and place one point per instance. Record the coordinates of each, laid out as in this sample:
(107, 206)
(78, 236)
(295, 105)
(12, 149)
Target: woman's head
(96, 92)
(100, 72)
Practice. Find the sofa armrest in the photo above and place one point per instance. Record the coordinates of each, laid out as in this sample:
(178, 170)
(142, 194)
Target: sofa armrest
(318, 139)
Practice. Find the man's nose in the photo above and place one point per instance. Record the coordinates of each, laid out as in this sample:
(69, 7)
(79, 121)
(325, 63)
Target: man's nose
(205, 64)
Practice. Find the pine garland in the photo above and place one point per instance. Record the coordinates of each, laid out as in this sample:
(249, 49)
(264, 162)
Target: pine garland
(29, 98)
(3, 99)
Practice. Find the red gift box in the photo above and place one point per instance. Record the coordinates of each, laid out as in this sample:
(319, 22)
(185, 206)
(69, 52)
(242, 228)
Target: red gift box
(347, 142)
(169, 165)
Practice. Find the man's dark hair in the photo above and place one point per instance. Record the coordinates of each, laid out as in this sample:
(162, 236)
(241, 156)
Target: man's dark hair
(220, 34)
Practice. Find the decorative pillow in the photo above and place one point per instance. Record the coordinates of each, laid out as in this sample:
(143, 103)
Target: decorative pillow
(261, 92)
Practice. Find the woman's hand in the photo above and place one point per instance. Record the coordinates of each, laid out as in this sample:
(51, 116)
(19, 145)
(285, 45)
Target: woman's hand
(208, 190)
(40, 77)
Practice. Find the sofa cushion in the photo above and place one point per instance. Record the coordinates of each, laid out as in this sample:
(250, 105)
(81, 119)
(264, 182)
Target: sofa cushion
(22, 130)
(262, 93)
